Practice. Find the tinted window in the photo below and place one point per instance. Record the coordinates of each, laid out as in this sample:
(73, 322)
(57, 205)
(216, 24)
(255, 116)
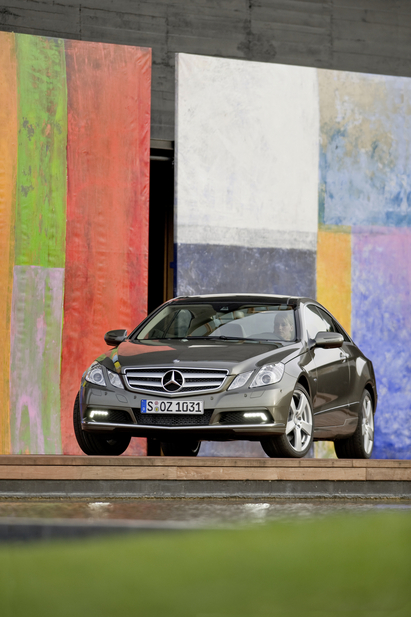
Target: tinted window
(338, 328)
(243, 321)
(328, 320)
(316, 321)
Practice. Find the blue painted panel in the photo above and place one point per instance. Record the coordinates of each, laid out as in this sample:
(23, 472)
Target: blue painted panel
(381, 327)
(212, 268)
(365, 152)
(251, 449)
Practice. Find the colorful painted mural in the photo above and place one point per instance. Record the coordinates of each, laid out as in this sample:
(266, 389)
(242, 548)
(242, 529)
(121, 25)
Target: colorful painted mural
(297, 180)
(74, 181)
(365, 197)
(289, 180)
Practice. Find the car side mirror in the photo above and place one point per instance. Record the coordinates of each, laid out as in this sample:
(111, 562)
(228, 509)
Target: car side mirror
(115, 337)
(328, 340)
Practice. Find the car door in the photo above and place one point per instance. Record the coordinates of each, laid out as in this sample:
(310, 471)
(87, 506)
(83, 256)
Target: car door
(331, 378)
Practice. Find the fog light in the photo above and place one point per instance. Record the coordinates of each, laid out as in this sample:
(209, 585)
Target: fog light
(256, 414)
(97, 413)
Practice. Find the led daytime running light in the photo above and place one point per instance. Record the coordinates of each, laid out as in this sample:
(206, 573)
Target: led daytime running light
(256, 414)
(97, 412)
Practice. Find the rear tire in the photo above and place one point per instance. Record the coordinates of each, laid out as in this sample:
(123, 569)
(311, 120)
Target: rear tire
(104, 444)
(180, 448)
(361, 442)
(298, 437)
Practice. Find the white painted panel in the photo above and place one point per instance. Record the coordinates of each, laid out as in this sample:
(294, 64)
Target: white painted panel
(247, 141)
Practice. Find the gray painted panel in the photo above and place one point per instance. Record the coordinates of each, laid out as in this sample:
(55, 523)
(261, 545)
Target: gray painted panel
(211, 268)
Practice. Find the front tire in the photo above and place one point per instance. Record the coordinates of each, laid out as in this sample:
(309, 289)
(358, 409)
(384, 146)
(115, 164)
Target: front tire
(104, 444)
(361, 442)
(180, 448)
(298, 436)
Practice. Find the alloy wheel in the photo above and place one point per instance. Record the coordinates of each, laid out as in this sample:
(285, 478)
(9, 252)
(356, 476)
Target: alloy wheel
(300, 422)
(367, 427)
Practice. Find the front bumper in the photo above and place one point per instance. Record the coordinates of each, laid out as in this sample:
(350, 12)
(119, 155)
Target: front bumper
(273, 401)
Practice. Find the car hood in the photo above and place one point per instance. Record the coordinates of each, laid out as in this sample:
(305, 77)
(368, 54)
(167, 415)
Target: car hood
(236, 356)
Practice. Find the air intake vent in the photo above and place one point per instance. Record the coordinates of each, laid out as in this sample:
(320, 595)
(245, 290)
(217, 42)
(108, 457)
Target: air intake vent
(163, 419)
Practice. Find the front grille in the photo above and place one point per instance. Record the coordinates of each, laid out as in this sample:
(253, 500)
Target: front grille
(168, 419)
(237, 417)
(149, 379)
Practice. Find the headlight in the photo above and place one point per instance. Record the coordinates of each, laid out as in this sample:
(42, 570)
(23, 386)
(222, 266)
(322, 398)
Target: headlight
(268, 374)
(95, 374)
(240, 380)
(115, 379)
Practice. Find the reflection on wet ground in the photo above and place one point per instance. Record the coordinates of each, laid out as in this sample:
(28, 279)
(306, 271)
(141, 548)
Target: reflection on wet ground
(194, 512)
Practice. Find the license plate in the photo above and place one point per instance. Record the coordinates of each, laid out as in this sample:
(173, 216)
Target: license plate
(183, 407)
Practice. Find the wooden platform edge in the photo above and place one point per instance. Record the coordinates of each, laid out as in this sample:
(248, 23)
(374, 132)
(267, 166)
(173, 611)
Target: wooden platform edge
(198, 469)
(47, 460)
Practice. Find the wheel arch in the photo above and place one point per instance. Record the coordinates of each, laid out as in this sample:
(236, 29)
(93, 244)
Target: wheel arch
(369, 387)
(304, 382)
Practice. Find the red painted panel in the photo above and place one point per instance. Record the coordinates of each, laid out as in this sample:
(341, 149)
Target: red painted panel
(108, 155)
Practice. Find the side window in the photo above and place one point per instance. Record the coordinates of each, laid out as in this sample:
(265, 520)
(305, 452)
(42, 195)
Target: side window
(338, 328)
(334, 325)
(315, 323)
(328, 320)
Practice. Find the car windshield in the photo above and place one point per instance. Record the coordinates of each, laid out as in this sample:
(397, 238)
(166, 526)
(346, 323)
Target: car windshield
(268, 322)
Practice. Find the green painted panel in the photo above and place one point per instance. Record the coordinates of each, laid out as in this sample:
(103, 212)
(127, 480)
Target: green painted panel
(42, 141)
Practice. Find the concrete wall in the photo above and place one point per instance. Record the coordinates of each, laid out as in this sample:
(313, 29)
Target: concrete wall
(353, 35)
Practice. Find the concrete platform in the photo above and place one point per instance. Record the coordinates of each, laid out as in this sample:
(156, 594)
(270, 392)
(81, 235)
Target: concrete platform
(81, 476)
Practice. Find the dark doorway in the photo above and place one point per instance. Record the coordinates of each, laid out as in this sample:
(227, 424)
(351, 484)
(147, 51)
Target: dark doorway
(161, 224)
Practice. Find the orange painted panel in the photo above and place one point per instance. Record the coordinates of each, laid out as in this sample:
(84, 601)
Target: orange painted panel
(8, 167)
(334, 272)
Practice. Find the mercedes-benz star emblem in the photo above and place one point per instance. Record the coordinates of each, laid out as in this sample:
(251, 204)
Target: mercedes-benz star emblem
(173, 381)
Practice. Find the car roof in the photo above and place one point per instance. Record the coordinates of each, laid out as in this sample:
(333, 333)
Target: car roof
(246, 297)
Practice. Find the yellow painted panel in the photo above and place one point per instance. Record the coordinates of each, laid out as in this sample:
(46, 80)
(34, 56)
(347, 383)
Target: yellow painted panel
(324, 449)
(8, 164)
(334, 272)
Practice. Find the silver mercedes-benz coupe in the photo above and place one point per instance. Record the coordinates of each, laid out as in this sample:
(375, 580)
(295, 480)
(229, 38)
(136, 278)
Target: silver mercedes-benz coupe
(275, 369)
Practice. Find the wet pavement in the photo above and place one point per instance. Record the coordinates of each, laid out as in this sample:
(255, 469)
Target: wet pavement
(187, 512)
(24, 520)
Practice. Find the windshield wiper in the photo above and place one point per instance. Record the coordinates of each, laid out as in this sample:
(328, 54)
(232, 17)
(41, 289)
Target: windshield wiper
(164, 338)
(229, 338)
(220, 336)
